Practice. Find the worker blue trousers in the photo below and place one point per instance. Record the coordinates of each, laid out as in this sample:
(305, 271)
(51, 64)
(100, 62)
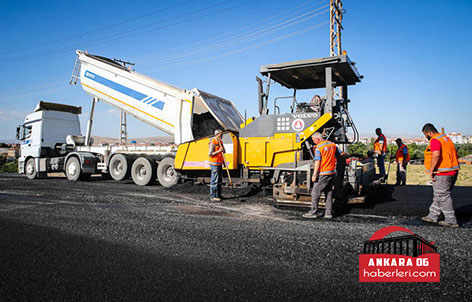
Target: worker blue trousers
(216, 179)
(381, 164)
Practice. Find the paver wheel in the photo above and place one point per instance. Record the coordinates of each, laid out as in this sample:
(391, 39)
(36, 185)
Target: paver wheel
(143, 171)
(166, 174)
(119, 167)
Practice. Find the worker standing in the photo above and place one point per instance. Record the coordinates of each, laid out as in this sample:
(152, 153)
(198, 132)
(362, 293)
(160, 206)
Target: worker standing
(402, 158)
(380, 148)
(216, 165)
(441, 163)
(324, 171)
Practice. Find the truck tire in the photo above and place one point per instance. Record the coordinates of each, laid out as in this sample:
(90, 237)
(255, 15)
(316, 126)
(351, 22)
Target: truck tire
(73, 169)
(166, 174)
(30, 169)
(143, 171)
(119, 167)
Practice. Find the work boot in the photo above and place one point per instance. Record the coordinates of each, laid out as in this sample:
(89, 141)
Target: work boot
(448, 224)
(427, 219)
(312, 215)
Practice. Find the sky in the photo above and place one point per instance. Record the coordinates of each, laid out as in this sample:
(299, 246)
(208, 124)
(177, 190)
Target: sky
(414, 55)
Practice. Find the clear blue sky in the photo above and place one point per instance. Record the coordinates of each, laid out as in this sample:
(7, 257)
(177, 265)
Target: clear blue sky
(414, 54)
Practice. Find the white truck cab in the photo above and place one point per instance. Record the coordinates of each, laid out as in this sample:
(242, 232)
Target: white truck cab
(43, 133)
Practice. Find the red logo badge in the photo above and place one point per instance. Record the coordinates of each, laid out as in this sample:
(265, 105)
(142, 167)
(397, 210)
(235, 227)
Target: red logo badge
(407, 258)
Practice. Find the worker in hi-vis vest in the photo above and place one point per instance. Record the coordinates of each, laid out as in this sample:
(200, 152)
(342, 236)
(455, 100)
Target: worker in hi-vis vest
(216, 165)
(324, 172)
(442, 165)
(402, 157)
(380, 148)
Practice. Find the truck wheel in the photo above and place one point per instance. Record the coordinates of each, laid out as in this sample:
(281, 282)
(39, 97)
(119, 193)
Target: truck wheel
(119, 167)
(73, 170)
(166, 174)
(143, 171)
(30, 169)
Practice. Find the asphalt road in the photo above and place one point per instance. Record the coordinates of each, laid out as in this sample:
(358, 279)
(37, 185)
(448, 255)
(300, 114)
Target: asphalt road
(107, 241)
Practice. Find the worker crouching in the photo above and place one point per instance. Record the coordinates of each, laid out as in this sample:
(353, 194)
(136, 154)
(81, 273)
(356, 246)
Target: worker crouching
(324, 172)
(216, 165)
(402, 158)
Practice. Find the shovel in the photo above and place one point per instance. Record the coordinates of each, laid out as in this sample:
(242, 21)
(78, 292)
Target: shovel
(229, 176)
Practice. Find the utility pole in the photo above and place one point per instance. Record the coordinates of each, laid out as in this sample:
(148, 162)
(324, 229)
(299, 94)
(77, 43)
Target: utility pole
(335, 49)
(336, 19)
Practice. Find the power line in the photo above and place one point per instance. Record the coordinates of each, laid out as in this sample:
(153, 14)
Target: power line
(27, 90)
(240, 38)
(120, 35)
(97, 29)
(251, 47)
(205, 42)
(33, 94)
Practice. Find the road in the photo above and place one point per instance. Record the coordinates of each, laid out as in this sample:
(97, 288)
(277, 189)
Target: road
(106, 241)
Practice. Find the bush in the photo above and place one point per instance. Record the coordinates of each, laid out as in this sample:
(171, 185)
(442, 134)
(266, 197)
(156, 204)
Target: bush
(11, 167)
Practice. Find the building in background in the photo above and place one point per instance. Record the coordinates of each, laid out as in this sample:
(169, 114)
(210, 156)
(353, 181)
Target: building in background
(458, 138)
(14, 152)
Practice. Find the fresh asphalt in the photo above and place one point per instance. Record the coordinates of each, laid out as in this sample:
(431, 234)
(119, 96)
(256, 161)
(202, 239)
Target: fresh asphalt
(106, 241)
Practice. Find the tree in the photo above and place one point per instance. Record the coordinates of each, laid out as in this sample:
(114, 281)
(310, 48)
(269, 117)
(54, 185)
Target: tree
(357, 148)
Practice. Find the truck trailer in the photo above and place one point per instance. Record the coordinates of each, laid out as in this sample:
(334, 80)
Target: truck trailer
(272, 150)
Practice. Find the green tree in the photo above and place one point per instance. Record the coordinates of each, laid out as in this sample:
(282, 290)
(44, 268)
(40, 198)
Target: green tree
(464, 149)
(358, 148)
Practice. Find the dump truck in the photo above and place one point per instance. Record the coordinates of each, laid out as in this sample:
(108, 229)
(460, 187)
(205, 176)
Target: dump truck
(271, 150)
(52, 140)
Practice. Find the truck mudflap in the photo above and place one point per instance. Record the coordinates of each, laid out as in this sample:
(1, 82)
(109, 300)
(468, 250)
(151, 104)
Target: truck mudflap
(88, 161)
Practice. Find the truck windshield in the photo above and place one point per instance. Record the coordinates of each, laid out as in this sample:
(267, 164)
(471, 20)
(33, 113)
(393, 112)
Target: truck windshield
(26, 132)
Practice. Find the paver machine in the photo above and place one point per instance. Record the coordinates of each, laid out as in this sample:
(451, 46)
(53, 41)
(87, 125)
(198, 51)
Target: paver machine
(275, 148)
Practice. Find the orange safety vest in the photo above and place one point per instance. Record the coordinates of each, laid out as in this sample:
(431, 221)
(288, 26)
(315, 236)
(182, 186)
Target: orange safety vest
(400, 156)
(377, 144)
(218, 158)
(328, 157)
(448, 160)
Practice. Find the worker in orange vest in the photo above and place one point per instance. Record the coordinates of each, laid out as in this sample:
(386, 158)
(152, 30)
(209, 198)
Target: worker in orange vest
(380, 148)
(324, 171)
(402, 157)
(442, 165)
(216, 165)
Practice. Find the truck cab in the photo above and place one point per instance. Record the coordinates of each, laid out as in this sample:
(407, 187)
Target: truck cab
(43, 133)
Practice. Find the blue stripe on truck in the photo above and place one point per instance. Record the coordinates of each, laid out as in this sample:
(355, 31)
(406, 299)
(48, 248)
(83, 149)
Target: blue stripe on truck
(123, 89)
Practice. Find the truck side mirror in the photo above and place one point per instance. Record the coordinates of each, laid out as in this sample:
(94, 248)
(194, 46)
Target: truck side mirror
(18, 128)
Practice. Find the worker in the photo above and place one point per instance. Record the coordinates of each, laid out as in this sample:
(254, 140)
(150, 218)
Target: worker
(402, 158)
(216, 165)
(442, 165)
(380, 149)
(316, 103)
(324, 171)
